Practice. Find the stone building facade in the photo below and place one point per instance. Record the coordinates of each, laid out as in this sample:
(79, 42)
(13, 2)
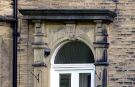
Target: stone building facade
(6, 41)
(104, 27)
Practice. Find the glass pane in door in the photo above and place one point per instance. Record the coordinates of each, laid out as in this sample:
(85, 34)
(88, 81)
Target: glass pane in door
(84, 80)
(65, 80)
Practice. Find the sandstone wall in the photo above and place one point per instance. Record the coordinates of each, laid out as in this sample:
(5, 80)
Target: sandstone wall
(121, 71)
(25, 55)
(61, 4)
(6, 8)
(5, 44)
(5, 55)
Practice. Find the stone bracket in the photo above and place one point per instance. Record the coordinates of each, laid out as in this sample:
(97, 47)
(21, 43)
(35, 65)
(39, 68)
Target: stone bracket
(101, 63)
(39, 64)
(101, 45)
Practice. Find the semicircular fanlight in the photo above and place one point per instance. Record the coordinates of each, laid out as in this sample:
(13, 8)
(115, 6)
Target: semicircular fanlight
(73, 53)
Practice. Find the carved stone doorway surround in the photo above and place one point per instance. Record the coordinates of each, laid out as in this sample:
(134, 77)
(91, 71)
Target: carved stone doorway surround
(101, 17)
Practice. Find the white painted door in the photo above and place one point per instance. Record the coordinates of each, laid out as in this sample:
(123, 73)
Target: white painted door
(73, 78)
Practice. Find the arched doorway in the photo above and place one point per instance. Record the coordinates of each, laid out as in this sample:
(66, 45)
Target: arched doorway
(73, 66)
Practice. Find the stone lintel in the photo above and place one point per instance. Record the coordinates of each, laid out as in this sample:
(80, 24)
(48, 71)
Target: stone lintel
(68, 14)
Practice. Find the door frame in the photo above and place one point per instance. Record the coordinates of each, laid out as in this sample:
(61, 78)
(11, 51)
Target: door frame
(68, 67)
(57, 69)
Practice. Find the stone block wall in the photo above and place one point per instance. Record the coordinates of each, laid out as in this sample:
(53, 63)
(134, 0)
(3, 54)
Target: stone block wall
(6, 48)
(25, 55)
(121, 71)
(5, 55)
(6, 8)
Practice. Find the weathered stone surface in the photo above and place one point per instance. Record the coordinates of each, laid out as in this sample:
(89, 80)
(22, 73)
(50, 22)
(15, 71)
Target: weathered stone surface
(6, 8)
(121, 71)
(121, 34)
(67, 4)
(5, 55)
(25, 55)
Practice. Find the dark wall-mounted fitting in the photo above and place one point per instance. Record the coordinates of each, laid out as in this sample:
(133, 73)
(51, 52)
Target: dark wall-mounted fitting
(47, 51)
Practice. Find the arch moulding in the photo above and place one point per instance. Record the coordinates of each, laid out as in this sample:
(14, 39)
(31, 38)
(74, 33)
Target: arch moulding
(65, 40)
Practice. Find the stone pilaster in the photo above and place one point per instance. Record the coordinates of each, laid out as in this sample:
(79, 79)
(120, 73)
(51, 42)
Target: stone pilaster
(39, 47)
(101, 53)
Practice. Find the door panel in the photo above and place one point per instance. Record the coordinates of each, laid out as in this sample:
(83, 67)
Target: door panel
(74, 79)
(65, 80)
(84, 80)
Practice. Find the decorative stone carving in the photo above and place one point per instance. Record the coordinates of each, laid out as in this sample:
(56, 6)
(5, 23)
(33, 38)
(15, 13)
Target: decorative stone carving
(71, 31)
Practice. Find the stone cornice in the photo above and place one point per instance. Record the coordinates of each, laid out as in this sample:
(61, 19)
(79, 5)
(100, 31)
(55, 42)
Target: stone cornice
(68, 14)
(6, 18)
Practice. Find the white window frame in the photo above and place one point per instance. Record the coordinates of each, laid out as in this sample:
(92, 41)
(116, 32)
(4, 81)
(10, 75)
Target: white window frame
(57, 69)
(73, 69)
